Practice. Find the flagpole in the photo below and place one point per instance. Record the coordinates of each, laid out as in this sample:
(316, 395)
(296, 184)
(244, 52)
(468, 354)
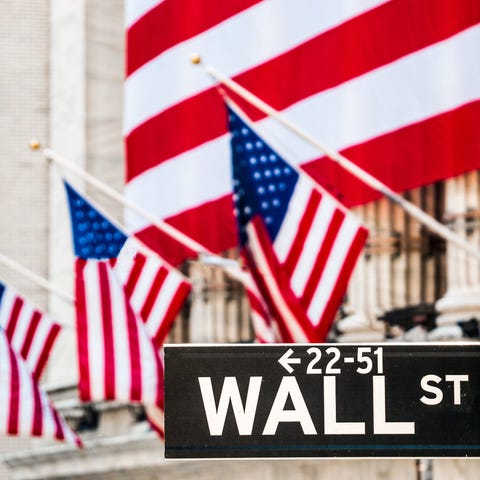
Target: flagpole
(428, 221)
(35, 278)
(205, 255)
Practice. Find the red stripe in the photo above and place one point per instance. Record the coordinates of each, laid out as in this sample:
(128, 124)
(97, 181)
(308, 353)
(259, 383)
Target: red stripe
(339, 290)
(372, 39)
(174, 21)
(107, 323)
(59, 433)
(171, 313)
(135, 356)
(152, 295)
(302, 231)
(31, 330)
(37, 425)
(139, 261)
(14, 395)
(438, 148)
(322, 257)
(14, 315)
(47, 347)
(209, 224)
(82, 332)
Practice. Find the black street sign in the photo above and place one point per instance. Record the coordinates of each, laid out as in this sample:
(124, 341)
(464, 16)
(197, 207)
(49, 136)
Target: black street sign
(330, 400)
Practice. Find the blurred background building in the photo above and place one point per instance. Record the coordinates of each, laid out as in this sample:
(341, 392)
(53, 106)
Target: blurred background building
(62, 82)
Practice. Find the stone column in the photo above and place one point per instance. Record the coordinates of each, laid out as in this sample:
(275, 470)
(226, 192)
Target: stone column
(462, 298)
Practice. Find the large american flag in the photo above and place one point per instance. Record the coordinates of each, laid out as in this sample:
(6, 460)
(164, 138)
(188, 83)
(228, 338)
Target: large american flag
(24, 408)
(119, 323)
(30, 332)
(300, 243)
(393, 85)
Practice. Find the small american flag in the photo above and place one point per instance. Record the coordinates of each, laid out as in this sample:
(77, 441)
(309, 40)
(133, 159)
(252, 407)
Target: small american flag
(30, 332)
(24, 407)
(118, 357)
(300, 244)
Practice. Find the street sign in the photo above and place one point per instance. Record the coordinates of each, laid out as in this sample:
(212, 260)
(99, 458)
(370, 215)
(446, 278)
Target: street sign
(328, 400)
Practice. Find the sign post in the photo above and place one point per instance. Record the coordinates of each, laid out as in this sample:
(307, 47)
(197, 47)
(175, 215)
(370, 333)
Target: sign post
(328, 400)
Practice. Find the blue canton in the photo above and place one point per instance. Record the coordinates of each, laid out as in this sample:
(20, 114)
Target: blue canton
(94, 237)
(263, 182)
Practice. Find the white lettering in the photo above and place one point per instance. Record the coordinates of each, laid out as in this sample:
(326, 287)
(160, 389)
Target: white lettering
(456, 379)
(332, 427)
(230, 393)
(380, 425)
(425, 383)
(289, 387)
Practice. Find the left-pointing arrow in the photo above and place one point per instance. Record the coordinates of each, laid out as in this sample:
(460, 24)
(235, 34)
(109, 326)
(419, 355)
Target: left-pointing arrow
(285, 360)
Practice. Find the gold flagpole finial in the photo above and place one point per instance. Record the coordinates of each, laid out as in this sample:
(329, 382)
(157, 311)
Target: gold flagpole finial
(195, 58)
(35, 144)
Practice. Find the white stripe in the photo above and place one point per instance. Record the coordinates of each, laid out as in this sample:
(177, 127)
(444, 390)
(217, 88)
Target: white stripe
(410, 90)
(279, 25)
(150, 374)
(313, 243)
(124, 263)
(5, 369)
(332, 269)
(6, 307)
(291, 321)
(162, 303)
(25, 403)
(123, 372)
(96, 341)
(135, 9)
(288, 230)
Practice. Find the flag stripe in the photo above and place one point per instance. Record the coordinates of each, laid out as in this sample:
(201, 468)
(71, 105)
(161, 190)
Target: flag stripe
(367, 29)
(15, 393)
(107, 325)
(120, 324)
(14, 315)
(299, 238)
(134, 349)
(83, 333)
(134, 275)
(156, 286)
(47, 344)
(179, 20)
(32, 328)
(37, 424)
